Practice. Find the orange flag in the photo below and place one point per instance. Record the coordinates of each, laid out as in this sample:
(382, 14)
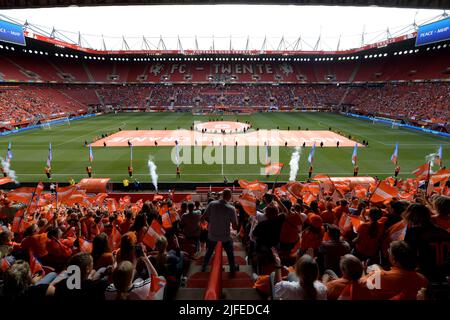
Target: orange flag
(253, 185)
(115, 238)
(85, 245)
(384, 192)
(422, 172)
(23, 194)
(441, 175)
(153, 233)
(274, 168)
(295, 188)
(248, 202)
(5, 180)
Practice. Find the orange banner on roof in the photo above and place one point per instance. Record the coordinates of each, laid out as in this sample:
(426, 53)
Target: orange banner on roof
(94, 185)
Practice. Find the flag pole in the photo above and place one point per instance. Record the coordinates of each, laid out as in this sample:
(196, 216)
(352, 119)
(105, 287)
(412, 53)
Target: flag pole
(372, 193)
(276, 179)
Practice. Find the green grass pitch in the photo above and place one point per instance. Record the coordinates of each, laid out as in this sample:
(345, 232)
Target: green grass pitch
(70, 157)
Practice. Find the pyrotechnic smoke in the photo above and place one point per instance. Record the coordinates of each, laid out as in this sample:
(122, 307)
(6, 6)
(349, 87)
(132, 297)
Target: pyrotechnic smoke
(154, 175)
(293, 164)
(9, 172)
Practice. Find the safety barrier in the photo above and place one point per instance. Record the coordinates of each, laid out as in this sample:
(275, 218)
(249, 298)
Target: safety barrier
(214, 287)
(402, 125)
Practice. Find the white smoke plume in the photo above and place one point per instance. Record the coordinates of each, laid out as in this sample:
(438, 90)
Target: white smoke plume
(293, 164)
(9, 172)
(152, 167)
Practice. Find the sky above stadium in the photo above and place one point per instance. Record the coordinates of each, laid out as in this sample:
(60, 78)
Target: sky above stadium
(224, 22)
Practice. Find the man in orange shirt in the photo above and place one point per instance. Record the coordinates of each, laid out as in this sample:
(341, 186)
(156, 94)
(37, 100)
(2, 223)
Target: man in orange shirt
(35, 242)
(401, 280)
(339, 210)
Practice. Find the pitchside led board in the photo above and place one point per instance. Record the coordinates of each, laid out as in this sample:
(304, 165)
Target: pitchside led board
(12, 33)
(433, 32)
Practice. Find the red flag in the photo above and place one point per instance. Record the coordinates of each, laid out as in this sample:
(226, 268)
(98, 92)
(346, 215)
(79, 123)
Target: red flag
(153, 233)
(35, 265)
(4, 265)
(248, 202)
(156, 283)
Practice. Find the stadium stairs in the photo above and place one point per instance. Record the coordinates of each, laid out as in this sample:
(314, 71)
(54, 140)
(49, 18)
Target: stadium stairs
(218, 283)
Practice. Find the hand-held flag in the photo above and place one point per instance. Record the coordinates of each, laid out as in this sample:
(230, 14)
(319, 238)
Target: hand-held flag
(439, 157)
(9, 154)
(355, 154)
(50, 156)
(394, 157)
(91, 154)
(311, 154)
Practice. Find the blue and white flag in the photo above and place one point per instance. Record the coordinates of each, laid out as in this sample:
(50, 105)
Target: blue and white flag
(355, 154)
(311, 154)
(91, 154)
(50, 156)
(9, 154)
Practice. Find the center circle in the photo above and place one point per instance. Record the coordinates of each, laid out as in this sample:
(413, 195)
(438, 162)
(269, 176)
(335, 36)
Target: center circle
(222, 127)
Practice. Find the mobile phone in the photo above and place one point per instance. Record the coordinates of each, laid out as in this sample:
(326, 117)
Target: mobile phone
(139, 251)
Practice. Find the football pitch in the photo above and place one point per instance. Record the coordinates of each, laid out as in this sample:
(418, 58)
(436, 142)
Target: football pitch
(70, 156)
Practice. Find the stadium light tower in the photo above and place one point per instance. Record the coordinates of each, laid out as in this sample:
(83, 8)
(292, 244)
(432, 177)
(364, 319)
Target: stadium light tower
(196, 43)
(362, 36)
(339, 43)
(247, 44)
(103, 43)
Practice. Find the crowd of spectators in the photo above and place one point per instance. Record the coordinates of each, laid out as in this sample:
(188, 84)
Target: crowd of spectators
(423, 103)
(298, 250)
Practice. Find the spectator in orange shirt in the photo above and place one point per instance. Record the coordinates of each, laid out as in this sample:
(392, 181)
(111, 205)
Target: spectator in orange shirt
(58, 252)
(290, 230)
(351, 269)
(129, 220)
(35, 242)
(401, 280)
(312, 236)
(442, 207)
(342, 208)
(328, 215)
(367, 241)
(140, 227)
(101, 252)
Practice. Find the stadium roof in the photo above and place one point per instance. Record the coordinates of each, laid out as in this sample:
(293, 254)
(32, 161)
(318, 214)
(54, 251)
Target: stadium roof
(429, 4)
